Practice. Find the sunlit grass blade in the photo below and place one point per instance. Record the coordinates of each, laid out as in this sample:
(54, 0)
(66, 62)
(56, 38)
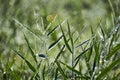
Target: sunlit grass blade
(60, 53)
(107, 69)
(61, 70)
(65, 40)
(27, 62)
(113, 51)
(26, 27)
(55, 43)
(70, 35)
(32, 53)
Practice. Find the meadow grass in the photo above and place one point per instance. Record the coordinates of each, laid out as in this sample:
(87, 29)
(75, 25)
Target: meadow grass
(50, 48)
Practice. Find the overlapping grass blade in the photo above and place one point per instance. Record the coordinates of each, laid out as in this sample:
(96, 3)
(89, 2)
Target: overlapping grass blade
(60, 53)
(113, 51)
(65, 40)
(32, 53)
(107, 69)
(27, 62)
(85, 51)
(56, 42)
(61, 70)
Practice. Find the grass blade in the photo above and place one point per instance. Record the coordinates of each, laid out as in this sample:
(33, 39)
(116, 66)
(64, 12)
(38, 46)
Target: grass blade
(27, 62)
(32, 53)
(56, 74)
(69, 32)
(52, 30)
(56, 42)
(87, 41)
(61, 70)
(65, 40)
(60, 53)
(107, 69)
(84, 51)
(113, 51)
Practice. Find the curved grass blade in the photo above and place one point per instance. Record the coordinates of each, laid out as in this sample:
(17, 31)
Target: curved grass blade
(65, 40)
(27, 62)
(107, 69)
(32, 53)
(113, 51)
(56, 42)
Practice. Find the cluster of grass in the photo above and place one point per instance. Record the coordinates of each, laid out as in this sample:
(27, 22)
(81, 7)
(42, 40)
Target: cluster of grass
(49, 48)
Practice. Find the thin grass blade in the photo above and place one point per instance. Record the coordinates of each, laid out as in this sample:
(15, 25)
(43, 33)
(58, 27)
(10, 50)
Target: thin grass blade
(65, 40)
(55, 43)
(107, 69)
(60, 53)
(61, 70)
(70, 35)
(27, 62)
(32, 53)
(113, 51)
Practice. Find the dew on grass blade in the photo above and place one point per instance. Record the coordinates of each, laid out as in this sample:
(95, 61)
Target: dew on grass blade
(43, 56)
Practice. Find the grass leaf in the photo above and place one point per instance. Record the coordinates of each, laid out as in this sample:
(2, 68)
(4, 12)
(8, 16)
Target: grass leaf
(107, 69)
(32, 53)
(65, 40)
(27, 62)
(61, 70)
(113, 51)
(56, 42)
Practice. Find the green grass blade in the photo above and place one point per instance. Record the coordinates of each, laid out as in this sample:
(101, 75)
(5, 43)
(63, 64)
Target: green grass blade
(71, 68)
(103, 33)
(27, 62)
(52, 30)
(26, 27)
(65, 40)
(43, 73)
(113, 51)
(74, 70)
(70, 35)
(61, 70)
(107, 69)
(32, 53)
(60, 53)
(56, 74)
(56, 42)
(79, 45)
(84, 51)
